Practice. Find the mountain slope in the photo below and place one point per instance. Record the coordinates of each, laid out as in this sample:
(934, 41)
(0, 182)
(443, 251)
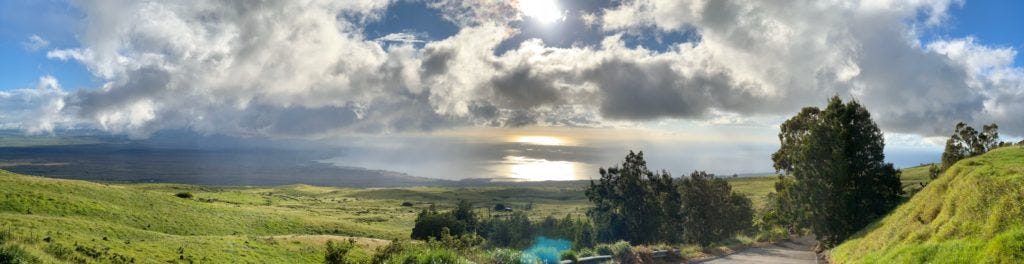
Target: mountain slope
(974, 212)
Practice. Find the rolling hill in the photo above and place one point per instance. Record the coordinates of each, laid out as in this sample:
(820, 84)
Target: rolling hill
(973, 213)
(56, 220)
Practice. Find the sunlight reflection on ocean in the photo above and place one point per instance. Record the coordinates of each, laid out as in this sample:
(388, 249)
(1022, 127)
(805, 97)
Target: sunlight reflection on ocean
(533, 169)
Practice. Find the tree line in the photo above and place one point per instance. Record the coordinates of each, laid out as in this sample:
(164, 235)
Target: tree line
(631, 203)
(634, 204)
(833, 182)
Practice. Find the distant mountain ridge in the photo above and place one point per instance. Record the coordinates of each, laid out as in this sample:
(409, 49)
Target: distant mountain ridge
(133, 163)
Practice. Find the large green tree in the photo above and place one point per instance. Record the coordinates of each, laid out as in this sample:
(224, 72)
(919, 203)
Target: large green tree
(836, 157)
(711, 211)
(625, 205)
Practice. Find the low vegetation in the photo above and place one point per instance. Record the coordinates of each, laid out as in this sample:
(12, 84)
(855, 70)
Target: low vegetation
(54, 220)
(972, 213)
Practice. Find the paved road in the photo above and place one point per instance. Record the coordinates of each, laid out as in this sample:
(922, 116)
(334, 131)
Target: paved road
(798, 251)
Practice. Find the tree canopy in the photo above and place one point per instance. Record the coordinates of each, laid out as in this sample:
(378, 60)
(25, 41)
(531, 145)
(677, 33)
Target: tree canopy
(967, 142)
(635, 204)
(836, 158)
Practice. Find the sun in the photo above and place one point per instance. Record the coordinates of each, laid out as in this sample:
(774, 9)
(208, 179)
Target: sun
(544, 11)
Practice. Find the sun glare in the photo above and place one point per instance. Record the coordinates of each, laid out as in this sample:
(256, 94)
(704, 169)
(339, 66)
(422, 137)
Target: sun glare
(540, 140)
(545, 11)
(523, 168)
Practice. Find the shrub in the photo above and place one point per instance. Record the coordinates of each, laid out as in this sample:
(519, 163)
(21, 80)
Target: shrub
(437, 255)
(395, 248)
(185, 195)
(620, 247)
(604, 250)
(15, 254)
(62, 252)
(505, 256)
(570, 255)
(644, 254)
(626, 255)
(586, 252)
(336, 252)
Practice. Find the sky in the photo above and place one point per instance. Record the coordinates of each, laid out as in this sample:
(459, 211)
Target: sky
(556, 88)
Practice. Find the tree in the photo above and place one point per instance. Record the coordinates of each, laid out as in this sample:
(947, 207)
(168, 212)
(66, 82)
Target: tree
(967, 142)
(934, 171)
(464, 213)
(626, 206)
(459, 221)
(836, 158)
(710, 210)
(783, 207)
(430, 224)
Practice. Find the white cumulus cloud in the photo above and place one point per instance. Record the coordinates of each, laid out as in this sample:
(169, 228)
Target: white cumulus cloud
(305, 68)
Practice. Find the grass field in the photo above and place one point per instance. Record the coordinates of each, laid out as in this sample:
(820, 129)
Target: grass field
(914, 178)
(973, 213)
(67, 220)
(756, 188)
(147, 222)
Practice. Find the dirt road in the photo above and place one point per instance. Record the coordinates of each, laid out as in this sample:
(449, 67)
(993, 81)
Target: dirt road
(798, 251)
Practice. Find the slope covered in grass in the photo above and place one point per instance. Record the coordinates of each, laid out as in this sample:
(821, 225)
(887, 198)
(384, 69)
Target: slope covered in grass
(54, 221)
(973, 213)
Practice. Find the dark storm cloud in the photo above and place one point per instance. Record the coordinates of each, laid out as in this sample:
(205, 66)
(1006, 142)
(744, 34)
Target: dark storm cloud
(520, 88)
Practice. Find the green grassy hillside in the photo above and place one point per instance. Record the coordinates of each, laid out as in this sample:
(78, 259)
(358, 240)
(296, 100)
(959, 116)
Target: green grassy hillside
(973, 213)
(914, 178)
(53, 220)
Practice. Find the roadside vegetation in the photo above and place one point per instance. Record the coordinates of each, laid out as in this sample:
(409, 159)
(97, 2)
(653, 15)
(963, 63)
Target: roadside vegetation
(972, 213)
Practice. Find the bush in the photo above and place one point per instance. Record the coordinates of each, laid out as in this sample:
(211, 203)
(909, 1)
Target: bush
(626, 255)
(186, 195)
(620, 247)
(570, 255)
(410, 253)
(15, 254)
(62, 252)
(772, 234)
(336, 252)
(604, 250)
(436, 255)
(644, 254)
(586, 252)
(395, 248)
(505, 256)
